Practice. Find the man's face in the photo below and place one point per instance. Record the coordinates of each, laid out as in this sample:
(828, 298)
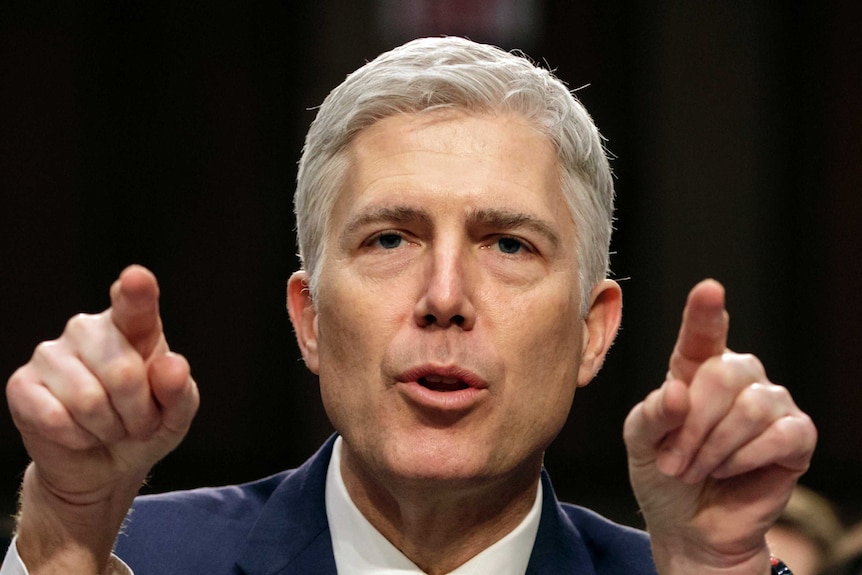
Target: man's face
(446, 328)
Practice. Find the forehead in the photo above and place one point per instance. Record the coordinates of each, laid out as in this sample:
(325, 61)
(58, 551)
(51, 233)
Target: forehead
(453, 160)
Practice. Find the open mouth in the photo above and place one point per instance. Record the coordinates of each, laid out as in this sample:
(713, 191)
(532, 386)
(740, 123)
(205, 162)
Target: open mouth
(439, 383)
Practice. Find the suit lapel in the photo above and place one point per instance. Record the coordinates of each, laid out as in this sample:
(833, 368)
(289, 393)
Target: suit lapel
(559, 548)
(291, 535)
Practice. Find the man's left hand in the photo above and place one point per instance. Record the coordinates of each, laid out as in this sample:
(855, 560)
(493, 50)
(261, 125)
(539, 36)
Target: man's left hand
(715, 452)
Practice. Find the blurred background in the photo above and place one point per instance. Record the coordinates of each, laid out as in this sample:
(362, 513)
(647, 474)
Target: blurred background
(169, 135)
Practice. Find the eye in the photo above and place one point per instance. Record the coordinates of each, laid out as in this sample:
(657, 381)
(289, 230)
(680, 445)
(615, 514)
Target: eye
(388, 241)
(509, 245)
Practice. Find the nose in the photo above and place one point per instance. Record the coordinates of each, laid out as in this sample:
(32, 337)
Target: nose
(446, 297)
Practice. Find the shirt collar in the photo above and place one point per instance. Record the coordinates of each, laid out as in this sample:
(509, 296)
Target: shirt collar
(360, 549)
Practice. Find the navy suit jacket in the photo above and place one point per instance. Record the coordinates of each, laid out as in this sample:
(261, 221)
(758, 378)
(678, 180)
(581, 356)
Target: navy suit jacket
(278, 526)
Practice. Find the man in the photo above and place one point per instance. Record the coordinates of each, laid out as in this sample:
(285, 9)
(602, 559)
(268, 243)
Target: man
(453, 213)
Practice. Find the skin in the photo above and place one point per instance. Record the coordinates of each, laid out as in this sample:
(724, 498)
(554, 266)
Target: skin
(96, 409)
(438, 290)
(715, 452)
(418, 251)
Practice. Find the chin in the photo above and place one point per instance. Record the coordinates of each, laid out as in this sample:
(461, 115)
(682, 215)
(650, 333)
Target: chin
(446, 477)
(445, 462)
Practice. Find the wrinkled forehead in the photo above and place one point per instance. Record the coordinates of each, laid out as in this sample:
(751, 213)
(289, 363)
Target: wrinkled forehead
(519, 142)
(461, 167)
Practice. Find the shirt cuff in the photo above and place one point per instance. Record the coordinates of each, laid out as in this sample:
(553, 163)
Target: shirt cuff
(12, 564)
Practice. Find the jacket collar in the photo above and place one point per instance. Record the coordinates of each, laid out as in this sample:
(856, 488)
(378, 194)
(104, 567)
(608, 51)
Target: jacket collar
(558, 542)
(291, 536)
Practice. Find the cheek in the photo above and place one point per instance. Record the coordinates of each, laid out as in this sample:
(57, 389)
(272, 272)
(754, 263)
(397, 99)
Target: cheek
(549, 350)
(353, 334)
(550, 328)
(543, 377)
(341, 339)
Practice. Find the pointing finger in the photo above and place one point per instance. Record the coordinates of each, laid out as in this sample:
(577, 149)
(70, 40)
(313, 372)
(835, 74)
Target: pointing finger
(703, 333)
(135, 308)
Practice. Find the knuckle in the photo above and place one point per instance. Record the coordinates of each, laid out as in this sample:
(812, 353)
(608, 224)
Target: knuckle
(19, 398)
(717, 373)
(85, 327)
(23, 418)
(78, 325)
(745, 366)
(123, 376)
(732, 371)
(45, 353)
(752, 363)
(18, 379)
(44, 421)
(800, 430)
(54, 421)
(88, 402)
(755, 403)
(764, 401)
(780, 395)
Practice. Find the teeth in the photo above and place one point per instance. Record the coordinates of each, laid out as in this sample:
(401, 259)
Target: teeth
(440, 379)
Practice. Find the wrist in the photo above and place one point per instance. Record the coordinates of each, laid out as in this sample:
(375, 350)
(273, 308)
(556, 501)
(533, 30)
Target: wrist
(684, 559)
(59, 534)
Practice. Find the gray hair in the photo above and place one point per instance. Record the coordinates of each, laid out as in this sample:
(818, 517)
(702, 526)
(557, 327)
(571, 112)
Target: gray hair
(434, 73)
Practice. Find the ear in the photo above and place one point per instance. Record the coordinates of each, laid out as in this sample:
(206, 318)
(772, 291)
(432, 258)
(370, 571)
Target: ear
(303, 315)
(600, 328)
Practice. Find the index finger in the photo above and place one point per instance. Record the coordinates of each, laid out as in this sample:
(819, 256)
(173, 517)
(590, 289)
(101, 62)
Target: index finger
(135, 308)
(703, 333)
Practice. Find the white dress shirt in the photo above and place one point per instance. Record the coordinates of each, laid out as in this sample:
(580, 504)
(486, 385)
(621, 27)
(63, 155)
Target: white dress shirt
(360, 549)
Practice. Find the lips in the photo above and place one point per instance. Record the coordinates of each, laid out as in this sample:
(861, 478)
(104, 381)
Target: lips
(441, 383)
(443, 378)
(442, 388)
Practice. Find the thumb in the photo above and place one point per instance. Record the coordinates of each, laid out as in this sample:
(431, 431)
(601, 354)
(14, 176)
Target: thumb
(651, 422)
(176, 393)
(135, 308)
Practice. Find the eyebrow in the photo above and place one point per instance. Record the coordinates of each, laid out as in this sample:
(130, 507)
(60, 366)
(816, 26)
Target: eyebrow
(390, 214)
(505, 220)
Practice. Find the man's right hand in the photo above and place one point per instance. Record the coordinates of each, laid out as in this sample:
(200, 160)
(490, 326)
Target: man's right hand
(96, 409)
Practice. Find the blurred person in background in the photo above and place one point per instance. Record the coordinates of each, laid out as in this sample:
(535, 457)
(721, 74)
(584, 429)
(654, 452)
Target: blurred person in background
(807, 532)
(846, 554)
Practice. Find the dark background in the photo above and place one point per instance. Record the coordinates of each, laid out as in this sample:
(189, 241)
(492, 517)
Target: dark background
(169, 136)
